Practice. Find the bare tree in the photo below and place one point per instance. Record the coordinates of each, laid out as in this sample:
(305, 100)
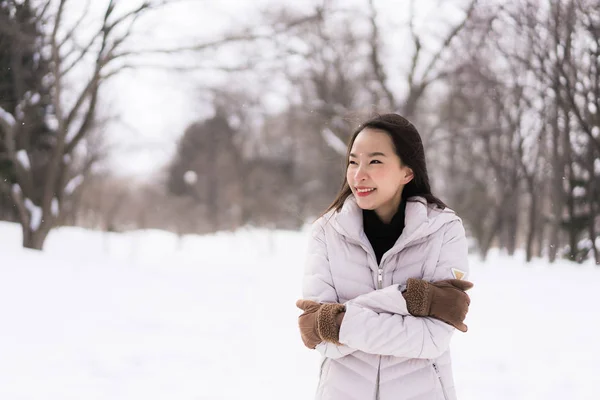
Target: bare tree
(426, 67)
(530, 107)
(73, 110)
(570, 65)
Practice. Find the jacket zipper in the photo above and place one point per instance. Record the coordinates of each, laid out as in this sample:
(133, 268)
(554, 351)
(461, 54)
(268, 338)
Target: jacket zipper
(397, 249)
(437, 372)
(388, 254)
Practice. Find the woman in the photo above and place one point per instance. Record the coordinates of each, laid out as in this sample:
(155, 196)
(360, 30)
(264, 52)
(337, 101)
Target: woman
(383, 289)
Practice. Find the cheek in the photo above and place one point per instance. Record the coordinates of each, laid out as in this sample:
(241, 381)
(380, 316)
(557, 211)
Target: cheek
(380, 175)
(390, 180)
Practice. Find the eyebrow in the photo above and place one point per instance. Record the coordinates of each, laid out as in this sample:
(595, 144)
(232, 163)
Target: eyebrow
(375, 154)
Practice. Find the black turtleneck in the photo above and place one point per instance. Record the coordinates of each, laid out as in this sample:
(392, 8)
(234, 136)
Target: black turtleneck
(381, 235)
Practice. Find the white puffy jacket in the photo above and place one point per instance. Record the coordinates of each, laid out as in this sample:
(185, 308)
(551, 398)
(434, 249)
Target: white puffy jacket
(387, 354)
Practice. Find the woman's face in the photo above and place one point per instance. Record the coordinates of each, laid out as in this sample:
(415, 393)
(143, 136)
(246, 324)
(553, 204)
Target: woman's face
(375, 173)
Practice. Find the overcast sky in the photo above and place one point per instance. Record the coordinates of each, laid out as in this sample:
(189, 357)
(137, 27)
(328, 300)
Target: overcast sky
(155, 106)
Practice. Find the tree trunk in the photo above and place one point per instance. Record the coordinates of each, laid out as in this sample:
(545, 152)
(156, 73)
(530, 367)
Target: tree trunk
(540, 233)
(593, 237)
(492, 233)
(511, 232)
(593, 193)
(540, 212)
(34, 239)
(532, 220)
(573, 230)
(557, 194)
(509, 223)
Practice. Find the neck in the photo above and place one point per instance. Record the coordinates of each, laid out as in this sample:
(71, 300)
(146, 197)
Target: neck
(386, 212)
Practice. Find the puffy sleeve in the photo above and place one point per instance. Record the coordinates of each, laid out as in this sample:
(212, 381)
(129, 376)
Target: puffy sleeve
(317, 284)
(379, 322)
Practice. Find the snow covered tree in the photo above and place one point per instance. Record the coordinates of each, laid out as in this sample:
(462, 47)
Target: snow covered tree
(41, 151)
(23, 93)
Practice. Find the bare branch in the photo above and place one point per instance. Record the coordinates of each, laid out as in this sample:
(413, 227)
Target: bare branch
(19, 201)
(91, 90)
(453, 33)
(56, 159)
(375, 60)
(92, 86)
(182, 68)
(70, 34)
(102, 33)
(86, 124)
(83, 52)
(41, 15)
(417, 42)
(135, 13)
(242, 37)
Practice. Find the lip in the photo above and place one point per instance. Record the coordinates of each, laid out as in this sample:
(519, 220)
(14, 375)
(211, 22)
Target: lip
(365, 194)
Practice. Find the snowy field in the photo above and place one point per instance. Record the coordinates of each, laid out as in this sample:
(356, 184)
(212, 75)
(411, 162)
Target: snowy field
(147, 316)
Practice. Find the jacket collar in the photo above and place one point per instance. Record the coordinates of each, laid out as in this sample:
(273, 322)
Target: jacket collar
(375, 228)
(421, 220)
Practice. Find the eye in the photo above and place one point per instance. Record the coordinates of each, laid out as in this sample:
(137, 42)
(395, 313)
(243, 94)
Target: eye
(352, 162)
(375, 162)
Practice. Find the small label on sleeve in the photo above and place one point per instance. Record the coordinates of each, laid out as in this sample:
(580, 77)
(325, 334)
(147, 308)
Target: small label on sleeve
(458, 274)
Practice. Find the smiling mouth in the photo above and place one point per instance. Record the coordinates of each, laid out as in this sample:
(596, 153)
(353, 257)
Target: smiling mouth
(364, 191)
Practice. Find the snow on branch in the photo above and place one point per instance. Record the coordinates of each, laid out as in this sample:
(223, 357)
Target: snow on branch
(23, 159)
(73, 184)
(7, 127)
(16, 189)
(7, 121)
(36, 214)
(55, 208)
(334, 142)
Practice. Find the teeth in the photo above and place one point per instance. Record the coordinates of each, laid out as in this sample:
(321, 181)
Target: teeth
(364, 190)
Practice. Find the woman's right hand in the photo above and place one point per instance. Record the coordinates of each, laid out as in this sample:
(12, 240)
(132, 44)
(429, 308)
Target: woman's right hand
(320, 322)
(445, 300)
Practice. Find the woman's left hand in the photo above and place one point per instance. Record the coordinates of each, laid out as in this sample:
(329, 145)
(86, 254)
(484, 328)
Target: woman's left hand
(445, 300)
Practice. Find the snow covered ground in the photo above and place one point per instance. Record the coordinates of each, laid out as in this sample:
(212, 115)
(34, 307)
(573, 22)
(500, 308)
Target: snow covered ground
(146, 316)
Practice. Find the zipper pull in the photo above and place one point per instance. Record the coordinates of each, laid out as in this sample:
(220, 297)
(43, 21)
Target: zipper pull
(380, 277)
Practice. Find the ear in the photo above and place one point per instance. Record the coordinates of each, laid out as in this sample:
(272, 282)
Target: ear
(408, 175)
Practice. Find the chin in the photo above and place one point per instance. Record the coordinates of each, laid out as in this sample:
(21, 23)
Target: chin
(365, 205)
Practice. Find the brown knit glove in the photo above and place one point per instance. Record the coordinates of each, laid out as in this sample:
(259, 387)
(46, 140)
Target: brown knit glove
(445, 300)
(320, 322)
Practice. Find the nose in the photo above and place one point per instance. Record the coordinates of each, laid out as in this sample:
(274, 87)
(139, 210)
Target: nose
(360, 174)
